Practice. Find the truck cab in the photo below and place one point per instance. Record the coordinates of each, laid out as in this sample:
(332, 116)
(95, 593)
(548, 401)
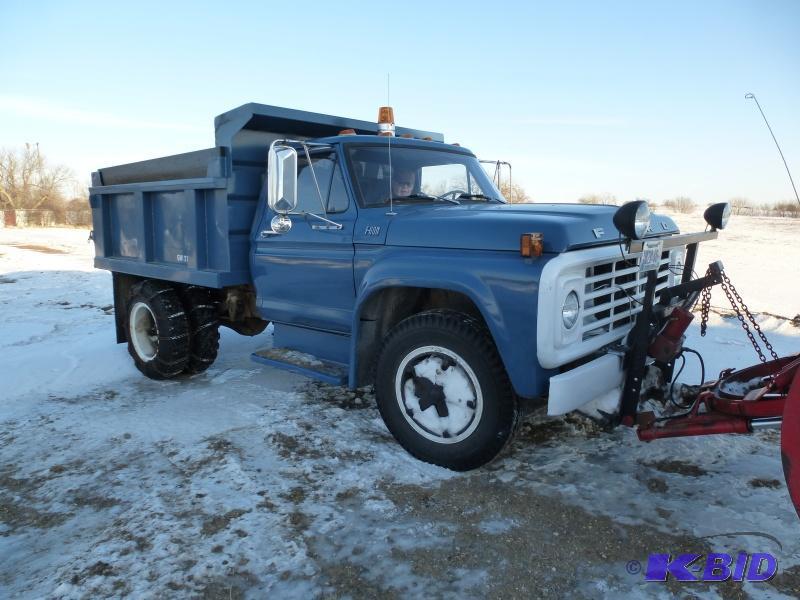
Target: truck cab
(390, 260)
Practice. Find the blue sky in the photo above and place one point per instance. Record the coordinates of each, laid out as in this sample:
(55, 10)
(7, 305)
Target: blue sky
(632, 99)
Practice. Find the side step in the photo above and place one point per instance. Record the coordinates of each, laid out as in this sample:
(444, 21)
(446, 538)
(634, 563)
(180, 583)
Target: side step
(304, 364)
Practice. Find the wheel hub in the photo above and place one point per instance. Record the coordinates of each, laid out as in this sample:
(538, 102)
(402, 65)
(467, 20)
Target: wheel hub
(439, 394)
(144, 331)
(430, 394)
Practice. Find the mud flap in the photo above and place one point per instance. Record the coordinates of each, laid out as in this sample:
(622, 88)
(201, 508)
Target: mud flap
(790, 441)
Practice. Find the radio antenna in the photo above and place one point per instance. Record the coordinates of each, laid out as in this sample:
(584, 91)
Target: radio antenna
(389, 139)
(753, 97)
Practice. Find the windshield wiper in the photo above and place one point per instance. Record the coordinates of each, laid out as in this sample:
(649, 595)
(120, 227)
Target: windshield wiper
(419, 196)
(479, 197)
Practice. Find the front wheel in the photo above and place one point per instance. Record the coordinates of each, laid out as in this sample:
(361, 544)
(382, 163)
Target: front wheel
(443, 392)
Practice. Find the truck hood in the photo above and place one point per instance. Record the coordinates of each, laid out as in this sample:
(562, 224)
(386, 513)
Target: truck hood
(482, 226)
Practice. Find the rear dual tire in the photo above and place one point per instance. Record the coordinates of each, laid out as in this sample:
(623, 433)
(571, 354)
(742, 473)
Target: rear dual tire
(158, 330)
(171, 333)
(201, 311)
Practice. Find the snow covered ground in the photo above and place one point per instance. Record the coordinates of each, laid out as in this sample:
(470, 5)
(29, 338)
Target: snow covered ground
(246, 481)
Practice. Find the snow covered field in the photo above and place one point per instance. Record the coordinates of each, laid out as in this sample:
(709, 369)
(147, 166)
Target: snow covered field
(246, 481)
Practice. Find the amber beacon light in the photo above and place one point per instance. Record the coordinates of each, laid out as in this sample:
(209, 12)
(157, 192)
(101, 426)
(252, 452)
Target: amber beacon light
(386, 121)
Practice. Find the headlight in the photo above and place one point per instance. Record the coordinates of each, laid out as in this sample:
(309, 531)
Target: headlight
(632, 219)
(717, 215)
(570, 310)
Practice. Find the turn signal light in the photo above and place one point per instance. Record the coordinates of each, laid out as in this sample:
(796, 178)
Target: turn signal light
(531, 245)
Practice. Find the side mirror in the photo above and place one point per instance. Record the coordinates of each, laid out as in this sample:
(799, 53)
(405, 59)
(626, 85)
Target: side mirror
(282, 178)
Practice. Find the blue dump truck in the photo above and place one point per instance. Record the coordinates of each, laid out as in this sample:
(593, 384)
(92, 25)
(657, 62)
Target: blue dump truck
(383, 256)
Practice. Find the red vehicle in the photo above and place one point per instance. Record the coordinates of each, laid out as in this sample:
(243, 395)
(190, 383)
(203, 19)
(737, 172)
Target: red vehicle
(766, 395)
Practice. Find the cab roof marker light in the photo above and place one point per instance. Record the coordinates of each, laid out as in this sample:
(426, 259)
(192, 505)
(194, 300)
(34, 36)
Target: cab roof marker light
(347, 132)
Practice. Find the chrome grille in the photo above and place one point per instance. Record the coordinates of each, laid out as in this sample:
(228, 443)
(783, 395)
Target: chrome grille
(613, 293)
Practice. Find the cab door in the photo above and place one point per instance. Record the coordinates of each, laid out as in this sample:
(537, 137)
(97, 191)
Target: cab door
(304, 277)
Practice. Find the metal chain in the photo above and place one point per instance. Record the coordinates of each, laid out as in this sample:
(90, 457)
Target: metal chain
(726, 283)
(736, 300)
(705, 308)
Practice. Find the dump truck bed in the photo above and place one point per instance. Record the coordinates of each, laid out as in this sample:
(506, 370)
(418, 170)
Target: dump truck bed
(187, 218)
(189, 229)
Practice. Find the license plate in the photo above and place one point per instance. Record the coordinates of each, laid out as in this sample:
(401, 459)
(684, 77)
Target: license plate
(651, 255)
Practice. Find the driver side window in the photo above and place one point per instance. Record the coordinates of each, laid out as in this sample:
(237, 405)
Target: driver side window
(330, 181)
(307, 196)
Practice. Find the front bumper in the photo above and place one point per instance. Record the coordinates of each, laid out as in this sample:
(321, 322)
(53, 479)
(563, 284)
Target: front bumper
(578, 386)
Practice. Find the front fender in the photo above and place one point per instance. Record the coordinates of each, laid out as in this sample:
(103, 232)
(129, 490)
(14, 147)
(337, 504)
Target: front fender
(502, 285)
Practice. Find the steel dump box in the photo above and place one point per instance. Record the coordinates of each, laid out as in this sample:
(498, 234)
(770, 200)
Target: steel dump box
(192, 229)
(187, 218)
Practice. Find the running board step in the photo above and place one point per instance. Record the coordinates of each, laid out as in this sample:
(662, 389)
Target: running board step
(304, 364)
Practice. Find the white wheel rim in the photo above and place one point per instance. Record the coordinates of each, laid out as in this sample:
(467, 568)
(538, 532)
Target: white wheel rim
(144, 331)
(458, 392)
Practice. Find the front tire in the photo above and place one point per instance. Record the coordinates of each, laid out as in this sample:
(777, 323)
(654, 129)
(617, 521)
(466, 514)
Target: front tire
(443, 392)
(157, 330)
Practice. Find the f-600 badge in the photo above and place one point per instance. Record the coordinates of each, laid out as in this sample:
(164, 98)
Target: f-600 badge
(372, 230)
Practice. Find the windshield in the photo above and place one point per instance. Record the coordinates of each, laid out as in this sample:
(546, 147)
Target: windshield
(418, 175)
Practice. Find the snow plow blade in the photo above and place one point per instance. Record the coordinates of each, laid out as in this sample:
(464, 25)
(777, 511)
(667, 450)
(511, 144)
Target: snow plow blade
(790, 441)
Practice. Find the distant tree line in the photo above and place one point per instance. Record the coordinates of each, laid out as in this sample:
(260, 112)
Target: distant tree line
(29, 182)
(683, 204)
(743, 206)
(680, 204)
(598, 199)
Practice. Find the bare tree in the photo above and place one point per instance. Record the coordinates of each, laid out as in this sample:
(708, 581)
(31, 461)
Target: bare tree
(680, 204)
(598, 199)
(514, 193)
(786, 209)
(77, 193)
(741, 205)
(27, 181)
